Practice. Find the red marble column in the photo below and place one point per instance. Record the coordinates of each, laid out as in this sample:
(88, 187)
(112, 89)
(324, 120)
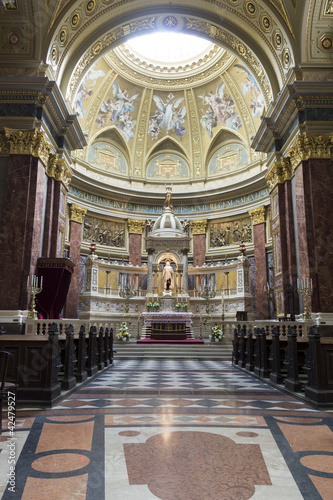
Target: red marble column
(260, 260)
(21, 231)
(313, 191)
(198, 228)
(75, 237)
(283, 239)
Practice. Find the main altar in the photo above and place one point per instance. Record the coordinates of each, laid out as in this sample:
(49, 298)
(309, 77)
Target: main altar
(167, 326)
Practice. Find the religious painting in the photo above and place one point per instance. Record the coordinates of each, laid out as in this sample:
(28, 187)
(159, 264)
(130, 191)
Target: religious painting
(218, 107)
(169, 115)
(228, 159)
(10, 4)
(329, 7)
(104, 232)
(118, 109)
(222, 234)
(108, 158)
(86, 89)
(250, 90)
(168, 166)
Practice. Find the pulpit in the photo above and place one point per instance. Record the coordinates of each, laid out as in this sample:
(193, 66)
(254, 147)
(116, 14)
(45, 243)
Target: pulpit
(57, 275)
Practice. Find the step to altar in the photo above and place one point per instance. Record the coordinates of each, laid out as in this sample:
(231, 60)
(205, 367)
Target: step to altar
(220, 351)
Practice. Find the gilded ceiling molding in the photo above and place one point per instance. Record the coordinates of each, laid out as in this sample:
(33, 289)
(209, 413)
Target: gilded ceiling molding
(59, 170)
(136, 226)
(140, 138)
(76, 213)
(195, 135)
(29, 142)
(258, 215)
(198, 226)
(306, 146)
(279, 172)
(192, 26)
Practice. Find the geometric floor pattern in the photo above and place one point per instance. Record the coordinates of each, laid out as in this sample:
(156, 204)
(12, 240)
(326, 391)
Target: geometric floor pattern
(170, 430)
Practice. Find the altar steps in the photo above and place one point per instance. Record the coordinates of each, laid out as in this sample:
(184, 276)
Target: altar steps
(214, 352)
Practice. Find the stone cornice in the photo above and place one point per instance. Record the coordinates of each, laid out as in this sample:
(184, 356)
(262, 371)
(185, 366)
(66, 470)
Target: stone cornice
(198, 226)
(294, 99)
(76, 213)
(136, 226)
(258, 215)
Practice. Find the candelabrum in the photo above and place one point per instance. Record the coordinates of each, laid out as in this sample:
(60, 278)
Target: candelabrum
(305, 289)
(127, 293)
(33, 289)
(207, 293)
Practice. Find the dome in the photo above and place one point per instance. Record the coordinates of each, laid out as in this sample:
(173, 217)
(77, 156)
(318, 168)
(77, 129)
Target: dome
(167, 225)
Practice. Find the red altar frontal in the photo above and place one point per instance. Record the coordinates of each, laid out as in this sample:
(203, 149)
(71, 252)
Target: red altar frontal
(167, 326)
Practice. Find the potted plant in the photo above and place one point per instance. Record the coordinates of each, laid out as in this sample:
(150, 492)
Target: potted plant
(217, 334)
(123, 332)
(156, 306)
(149, 305)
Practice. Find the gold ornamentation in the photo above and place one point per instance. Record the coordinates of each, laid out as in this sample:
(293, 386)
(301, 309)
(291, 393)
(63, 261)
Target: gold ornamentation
(59, 170)
(76, 213)
(63, 37)
(308, 146)
(278, 173)
(136, 226)
(140, 142)
(251, 8)
(195, 136)
(91, 6)
(258, 215)
(198, 226)
(28, 142)
(76, 19)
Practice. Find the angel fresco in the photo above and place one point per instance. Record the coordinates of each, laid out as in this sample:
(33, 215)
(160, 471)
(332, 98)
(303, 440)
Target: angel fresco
(85, 89)
(167, 116)
(221, 109)
(118, 109)
(251, 87)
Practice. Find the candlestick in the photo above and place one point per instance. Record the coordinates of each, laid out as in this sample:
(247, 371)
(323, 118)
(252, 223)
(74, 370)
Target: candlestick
(33, 290)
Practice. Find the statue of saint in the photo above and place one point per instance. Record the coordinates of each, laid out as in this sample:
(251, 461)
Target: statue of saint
(168, 202)
(167, 276)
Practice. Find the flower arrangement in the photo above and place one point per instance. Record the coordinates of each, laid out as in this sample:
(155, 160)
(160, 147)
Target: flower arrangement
(178, 306)
(156, 305)
(123, 332)
(184, 306)
(217, 333)
(149, 305)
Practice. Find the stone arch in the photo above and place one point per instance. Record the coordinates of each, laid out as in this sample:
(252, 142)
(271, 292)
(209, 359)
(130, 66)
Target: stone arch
(231, 29)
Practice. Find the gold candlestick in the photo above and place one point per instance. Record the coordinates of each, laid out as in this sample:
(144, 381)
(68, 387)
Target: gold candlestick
(33, 289)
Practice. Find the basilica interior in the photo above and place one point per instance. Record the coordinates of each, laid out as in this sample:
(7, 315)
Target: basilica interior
(166, 271)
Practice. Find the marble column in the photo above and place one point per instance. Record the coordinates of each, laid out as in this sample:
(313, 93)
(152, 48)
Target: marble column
(258, 216)
(313, 194)
(185, 271)
(135, 230)
(283, 237)
(21, 228)
(198, 228)
(150, 271)
(76, 217)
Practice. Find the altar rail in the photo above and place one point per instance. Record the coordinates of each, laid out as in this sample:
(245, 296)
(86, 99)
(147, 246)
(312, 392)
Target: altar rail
(44, 365)
(302, 364)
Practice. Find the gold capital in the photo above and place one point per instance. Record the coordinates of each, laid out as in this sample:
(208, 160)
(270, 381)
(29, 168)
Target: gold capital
(28, 142)
(198, 226)
(136, 226)
(76, 213)
(258, 215)
(279, 172)
(59, 170)
(306, 146)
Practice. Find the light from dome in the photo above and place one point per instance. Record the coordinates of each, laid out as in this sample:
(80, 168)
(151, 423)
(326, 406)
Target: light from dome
(166, 47)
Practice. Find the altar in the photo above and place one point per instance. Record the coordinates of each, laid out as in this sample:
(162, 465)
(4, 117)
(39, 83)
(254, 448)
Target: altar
(167, 326)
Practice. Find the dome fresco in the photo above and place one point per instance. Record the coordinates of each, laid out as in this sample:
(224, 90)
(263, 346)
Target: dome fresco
(193, 115)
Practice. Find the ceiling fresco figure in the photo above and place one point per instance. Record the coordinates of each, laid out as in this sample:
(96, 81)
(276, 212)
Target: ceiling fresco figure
(168, 116)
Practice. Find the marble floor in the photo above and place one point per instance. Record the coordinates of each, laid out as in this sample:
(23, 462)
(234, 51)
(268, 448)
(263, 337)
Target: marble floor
(170, 430)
